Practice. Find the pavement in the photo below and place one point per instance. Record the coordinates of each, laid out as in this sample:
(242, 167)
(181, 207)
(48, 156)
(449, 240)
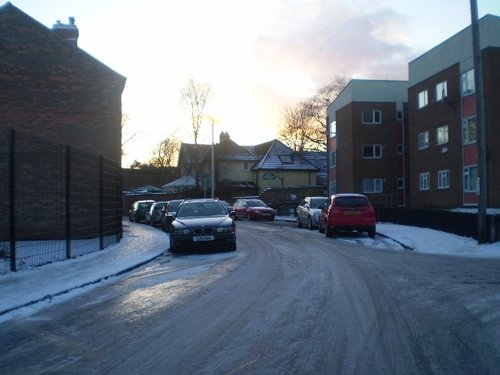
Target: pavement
(140, 244)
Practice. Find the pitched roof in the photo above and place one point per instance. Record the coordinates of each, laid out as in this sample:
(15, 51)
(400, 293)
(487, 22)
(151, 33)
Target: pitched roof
(230, 150)
(281, 157)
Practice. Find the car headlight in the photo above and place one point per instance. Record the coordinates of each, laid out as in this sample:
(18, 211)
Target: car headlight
(223, 229)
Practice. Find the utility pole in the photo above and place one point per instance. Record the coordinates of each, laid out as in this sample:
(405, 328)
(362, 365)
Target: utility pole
(213, 164)
(482, 222)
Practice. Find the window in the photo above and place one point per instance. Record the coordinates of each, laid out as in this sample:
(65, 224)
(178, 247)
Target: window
(424, 181)
(333, 129)
(399, 115)
(423, 99)
(372, 185)
(442, 135)
(469, 130)
(444, 179)
(441, 91)
(372, 151)
(468, 84)
(401, 183)
(470, 179)
(285, 159)
(400, 149)
(372, 116)
(333, 159)
(423, 140)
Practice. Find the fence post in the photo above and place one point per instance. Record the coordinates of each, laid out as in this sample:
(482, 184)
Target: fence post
(67, 189)
(12, 199)
(101, 204)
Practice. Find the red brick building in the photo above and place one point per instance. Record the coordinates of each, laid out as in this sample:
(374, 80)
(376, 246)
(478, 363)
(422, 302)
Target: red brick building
(366, 153)
(442, 131)
(55, 90)
(414, 143)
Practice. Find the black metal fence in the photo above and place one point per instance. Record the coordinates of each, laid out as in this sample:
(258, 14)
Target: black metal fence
(460, 223)
(57, 202)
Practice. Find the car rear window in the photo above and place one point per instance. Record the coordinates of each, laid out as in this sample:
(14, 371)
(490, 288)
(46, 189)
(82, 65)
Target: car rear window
(318, 202)
(256, 203)
(351, 202)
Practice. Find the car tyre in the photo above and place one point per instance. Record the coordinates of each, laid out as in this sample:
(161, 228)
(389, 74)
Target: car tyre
(309, 223)
(330, 232)
(320, 228)
(299, 224)
(371, 233)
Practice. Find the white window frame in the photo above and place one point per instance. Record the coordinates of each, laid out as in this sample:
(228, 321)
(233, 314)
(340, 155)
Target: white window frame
(470, 179)
(442, 135)
(441, 91)
(468, 83)
(443, 179)
(424, 181)
(373, 185)
(333, 129)
(466, 130)
(376, 151)
(423, 140)
(375, 116)
(422, 99)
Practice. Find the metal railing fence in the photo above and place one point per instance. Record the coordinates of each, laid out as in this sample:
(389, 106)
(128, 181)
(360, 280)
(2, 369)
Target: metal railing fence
(58, 202)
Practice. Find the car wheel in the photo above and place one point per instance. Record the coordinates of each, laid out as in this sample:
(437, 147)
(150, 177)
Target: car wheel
(299, 224)
(329, 231)
(320, 228)
(309, 223)
(371, 233)
(232, 247)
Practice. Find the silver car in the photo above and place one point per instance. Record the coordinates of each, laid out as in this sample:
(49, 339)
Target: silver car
(308, 211)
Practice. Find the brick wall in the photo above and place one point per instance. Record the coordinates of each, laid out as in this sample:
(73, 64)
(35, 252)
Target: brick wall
(56, 90)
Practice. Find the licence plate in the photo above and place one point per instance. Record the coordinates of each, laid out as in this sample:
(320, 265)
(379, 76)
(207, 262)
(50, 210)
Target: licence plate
(203, 238)
(351, 213)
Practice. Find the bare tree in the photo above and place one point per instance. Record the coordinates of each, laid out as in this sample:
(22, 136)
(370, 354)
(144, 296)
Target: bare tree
(306, 128)
(196, 97)
(165, 153)
(294, 128)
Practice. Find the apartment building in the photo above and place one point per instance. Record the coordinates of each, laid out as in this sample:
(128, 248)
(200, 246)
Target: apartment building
(366, 141)
(442, 129)
(414, 143)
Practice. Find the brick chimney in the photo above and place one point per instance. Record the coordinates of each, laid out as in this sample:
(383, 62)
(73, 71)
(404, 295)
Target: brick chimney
(224, 136)
(67, 31)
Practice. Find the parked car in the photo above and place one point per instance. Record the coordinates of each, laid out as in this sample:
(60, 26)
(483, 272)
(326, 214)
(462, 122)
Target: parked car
(308, 211)
(347, 212)
(229, 208)
(138, 210)
(153, 216)
(202, 224)
(252, 209)
(168, 212)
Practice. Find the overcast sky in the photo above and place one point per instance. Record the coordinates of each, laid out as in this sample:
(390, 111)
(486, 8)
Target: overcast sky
(258, 55)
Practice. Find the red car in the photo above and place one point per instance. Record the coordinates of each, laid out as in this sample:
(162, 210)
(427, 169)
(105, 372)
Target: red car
(252, 209)
(347, 212)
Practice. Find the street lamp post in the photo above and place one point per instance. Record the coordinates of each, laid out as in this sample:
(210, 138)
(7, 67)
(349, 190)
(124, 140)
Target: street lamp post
(481, 128)
(213, 164)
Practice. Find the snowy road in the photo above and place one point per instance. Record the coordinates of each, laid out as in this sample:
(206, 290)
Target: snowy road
(289, 301)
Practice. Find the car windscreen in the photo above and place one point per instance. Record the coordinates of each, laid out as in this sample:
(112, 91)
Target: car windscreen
(199, 209)
(256, 204)
(351, 202)
(145, 205)
(318, 202)
(172, 206)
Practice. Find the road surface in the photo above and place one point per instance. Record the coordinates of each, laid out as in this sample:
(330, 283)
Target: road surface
(289, 301)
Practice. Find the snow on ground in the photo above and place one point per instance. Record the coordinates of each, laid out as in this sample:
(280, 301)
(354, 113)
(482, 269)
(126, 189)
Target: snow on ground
(26, 291)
